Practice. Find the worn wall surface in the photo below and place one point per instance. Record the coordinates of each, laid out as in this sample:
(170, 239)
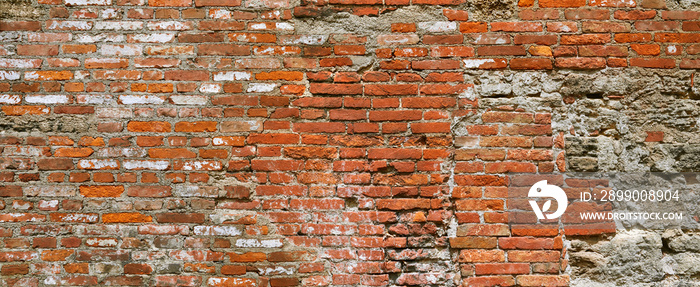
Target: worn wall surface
(339, 142)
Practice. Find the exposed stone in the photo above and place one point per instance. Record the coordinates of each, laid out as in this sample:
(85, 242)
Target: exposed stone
(19, 9)
(33, 123)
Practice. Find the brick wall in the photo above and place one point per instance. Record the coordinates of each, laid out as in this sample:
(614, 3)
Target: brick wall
(278, 143)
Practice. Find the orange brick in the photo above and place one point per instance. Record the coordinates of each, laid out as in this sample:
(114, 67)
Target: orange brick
(101, 190)
(73, 152)
(56, 255)
(127, 217)
(134, 126)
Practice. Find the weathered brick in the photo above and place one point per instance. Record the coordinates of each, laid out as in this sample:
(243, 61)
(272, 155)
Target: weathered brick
(215, 138)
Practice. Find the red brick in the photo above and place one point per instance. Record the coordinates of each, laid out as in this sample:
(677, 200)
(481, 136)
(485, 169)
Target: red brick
(56, 255)
(602, 51)
(473, 27)
(516, 27)
(186, 75)
(14, 269)
(335, 89)
(101, 191)
(585, 39)
(581, 63)
(539, 14)
(20, 26)
(581, 14)
(653, 63)
(170, 3)
(562, 27)
(481, 255)
(689, 64)
(536, 39)
(421, 128)
(502, 268)
(391, 90)
(452, 51)
(634, 15)
(135, 126)
(561, 3)
(127, 217)
(650, 49)
(677, 37)
(227, 3)
(533, 256)
(501, 51)
(653, 4)
(659, 25)
(680, 15)
(527, 243)
(223, 50)
(489, 281)
(455, 15)
(605, 27)
(37, 50)
(531, 64)
(403, 27)
(435, 65)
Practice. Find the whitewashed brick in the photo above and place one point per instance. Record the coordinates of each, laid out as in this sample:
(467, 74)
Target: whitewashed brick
(201, 165)
(195, 191)
(121, 50)
(260, 87)
(256, 243)
(164, 229)
(10, 36)
(95, 99)
(9, 75)
(217, 230)
(48, 204)
(210, 88)
(438, 27)
(220, 14)
(81, 75)
(189, 100)
(154, 38)
(47, 99)
(476, 63)
(20, 63)
(284, 26)
(98, 164)
(307, 39)
(25, 151)
(102, 37)
(68, 25)
(118, 25)
(141, 100)
(121, 152)
(231, 76)
(10, 99)
(146, 164)
(50, 190)
(169, 25)
(110, 13)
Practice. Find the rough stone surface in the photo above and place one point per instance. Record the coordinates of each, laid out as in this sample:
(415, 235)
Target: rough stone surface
(636, 258)
(19, 9)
